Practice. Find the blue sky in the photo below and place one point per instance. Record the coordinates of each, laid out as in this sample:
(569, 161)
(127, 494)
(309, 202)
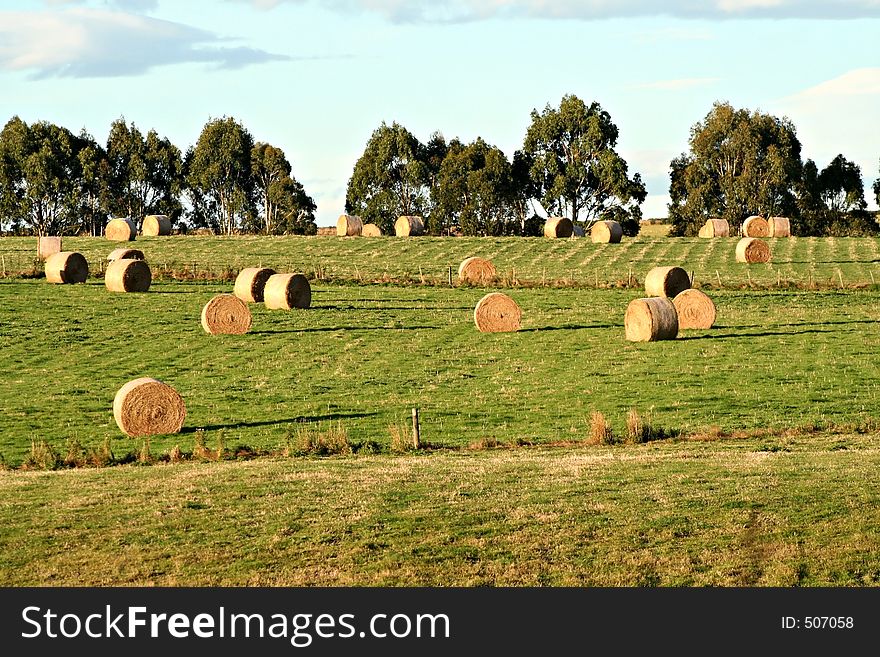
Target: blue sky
(316, 78)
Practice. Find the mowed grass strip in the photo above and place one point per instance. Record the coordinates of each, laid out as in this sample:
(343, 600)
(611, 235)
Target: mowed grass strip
(798, 260)
(798, 511)
(363, 356)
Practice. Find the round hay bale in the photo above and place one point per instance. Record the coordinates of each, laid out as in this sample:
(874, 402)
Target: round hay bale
(286, 291)
(715, 228)
(556, 227)
(47, 246)
(371, 230)
(67, 267)
(477, 271)
(125, 254)
(250, 283)
(147, 407)
(410, 226)
(779, 227)
(497, 313)
(606, 232)
(120, 230)
(755, 226)
(752, 250)
(695, 310)
(666, 281)
(128, 276)
(226, 314)
(347, 225)
(156, 224)
(648, 320)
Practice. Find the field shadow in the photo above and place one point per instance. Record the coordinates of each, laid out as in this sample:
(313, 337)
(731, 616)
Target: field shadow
(760, 334)
(566, 327)
(302, 419)
(350, 307)
(827, 323)
(325, 329)
(828, 262)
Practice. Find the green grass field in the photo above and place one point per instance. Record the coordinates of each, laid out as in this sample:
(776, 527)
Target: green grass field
(803, 261)
(768, 482)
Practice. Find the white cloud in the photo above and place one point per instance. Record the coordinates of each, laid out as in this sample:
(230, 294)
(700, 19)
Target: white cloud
(471, 10)
(84, 42)
(858, 82)
(677, 84)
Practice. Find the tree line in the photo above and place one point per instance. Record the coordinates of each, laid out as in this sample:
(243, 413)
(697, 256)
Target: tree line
(739, 163)
(55, 182)
(744, 163)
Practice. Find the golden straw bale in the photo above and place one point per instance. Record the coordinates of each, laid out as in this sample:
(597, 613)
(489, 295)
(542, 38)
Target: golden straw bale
(651, 319)
(606, 232)
(226, 314)
(695, 310)
(409, 226)
(348, 225)
(715, 228)
(67, 267)
(497, 313)
(779, 227)
(125, 254)
(128, 276)
(147, 407)
(371, 230)
(477, 271)
(250, 283)
(557, 227)
(47, 246)
(752, 250)
(755, 226)
(666, 281)
(120, 230)
(155, 225)
(286, 291)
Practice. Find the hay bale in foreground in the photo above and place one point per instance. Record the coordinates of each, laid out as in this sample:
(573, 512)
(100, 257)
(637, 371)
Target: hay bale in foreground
(477, 271)
(67, 267)
(409, 226)
(371, 230)
(348, 225)
(497, 313)
(155, 225)
(755, 226)
(286, 291)
(250, 283)
(128, 276)
(556, 227)
(695, 310)
(752, 250)
(779, 227)
(666, 281)
(147, 407)
(606, 232)
(125, 254)
(120, 230)
(47, 246)
(715, 228)
(651, 319)
(226, 314)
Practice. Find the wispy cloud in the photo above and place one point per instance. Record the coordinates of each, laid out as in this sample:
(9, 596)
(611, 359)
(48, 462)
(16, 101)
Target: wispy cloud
(677, 84)
(858, 82)
(87, 43)
(403, 11)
